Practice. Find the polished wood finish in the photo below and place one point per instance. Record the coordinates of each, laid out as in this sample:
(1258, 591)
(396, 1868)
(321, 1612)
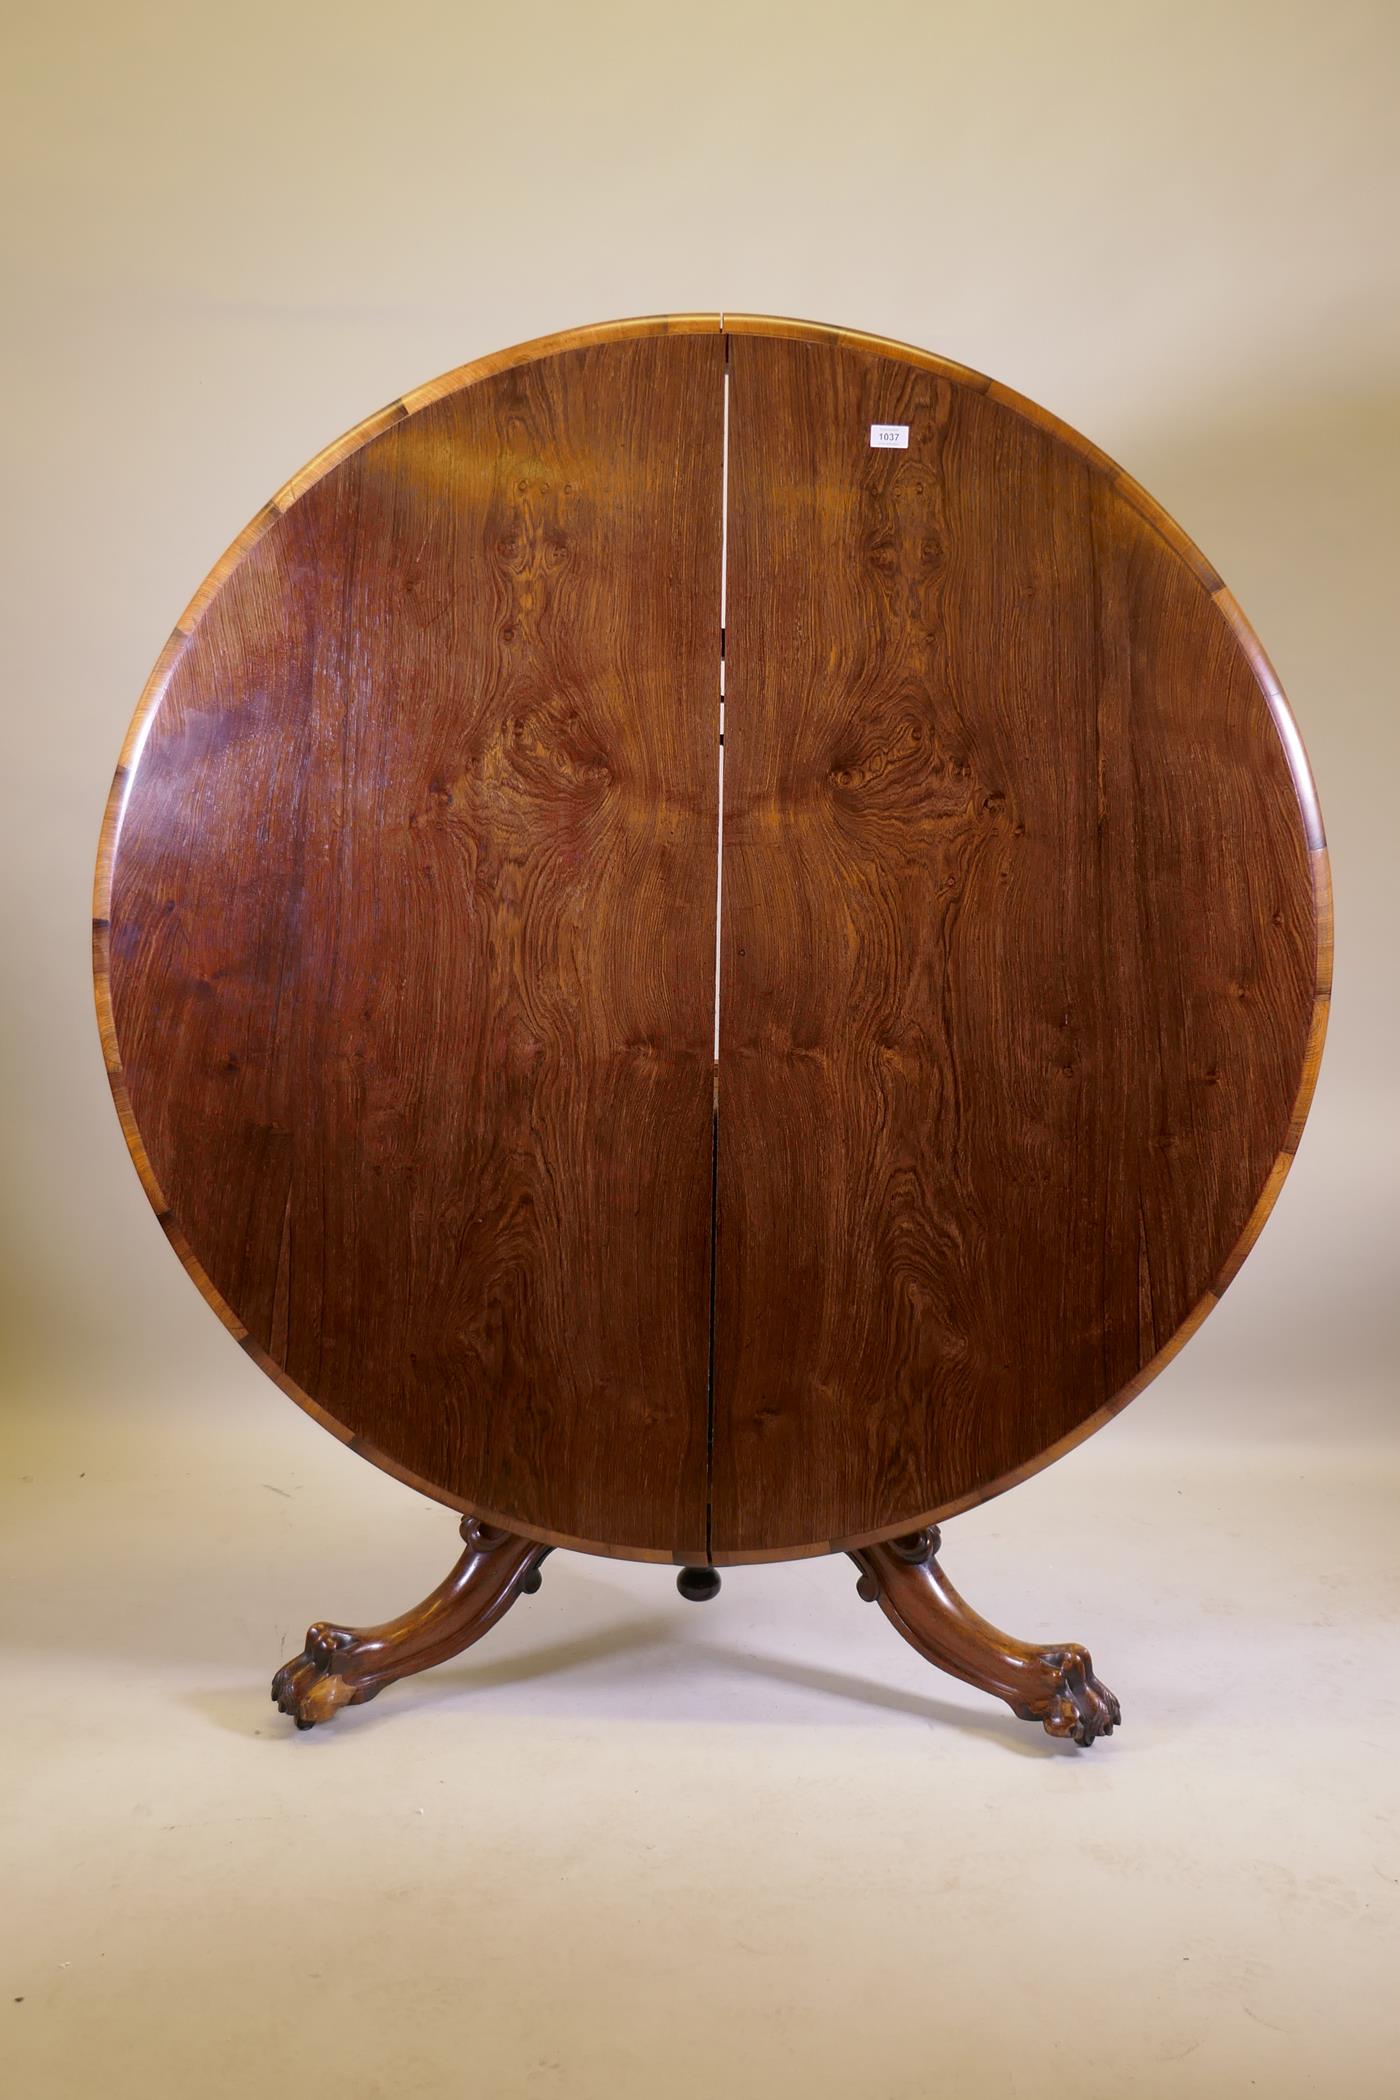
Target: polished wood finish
(1023, 945)
(1055, 1686)
(340, 1666)
(405, 937)
(412, 937)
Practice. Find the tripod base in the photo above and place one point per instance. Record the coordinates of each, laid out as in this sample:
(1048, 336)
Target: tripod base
(343, 1666)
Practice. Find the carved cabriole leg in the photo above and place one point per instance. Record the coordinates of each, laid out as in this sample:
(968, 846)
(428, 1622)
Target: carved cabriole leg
(343, 1666)
(1055, 1686)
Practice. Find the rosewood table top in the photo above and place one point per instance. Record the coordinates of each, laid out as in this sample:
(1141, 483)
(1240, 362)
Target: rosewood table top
(712, 939)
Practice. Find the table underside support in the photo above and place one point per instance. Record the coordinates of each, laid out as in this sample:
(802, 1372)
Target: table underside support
(1055, 1686)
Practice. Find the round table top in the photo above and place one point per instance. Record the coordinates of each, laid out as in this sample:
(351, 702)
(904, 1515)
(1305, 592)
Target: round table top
(712, 938)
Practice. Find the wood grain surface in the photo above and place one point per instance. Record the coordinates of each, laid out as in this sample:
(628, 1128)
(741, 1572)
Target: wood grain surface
(412, 939)
(1020, 945)
(405, 940)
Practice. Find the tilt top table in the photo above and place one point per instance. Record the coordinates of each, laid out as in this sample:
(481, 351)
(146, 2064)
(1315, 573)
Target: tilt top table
(712, 942)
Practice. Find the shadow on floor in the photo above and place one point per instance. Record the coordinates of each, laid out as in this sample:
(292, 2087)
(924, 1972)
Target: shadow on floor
(242, 1711)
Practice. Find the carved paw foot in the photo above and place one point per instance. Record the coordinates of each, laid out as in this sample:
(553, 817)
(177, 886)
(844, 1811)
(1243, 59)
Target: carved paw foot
(1080, 1707)
(1055, 1686)
(344, 1666)
(309, 1687)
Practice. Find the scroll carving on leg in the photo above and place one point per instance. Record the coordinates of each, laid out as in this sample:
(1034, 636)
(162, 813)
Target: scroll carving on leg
(343, 1666)
(1055, 1686)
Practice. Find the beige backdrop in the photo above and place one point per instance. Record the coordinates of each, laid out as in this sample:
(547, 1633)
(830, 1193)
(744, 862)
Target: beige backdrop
(231, 236)
(232, 232)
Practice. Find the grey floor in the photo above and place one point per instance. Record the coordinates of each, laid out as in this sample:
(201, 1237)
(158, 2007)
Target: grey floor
(633, 1846)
